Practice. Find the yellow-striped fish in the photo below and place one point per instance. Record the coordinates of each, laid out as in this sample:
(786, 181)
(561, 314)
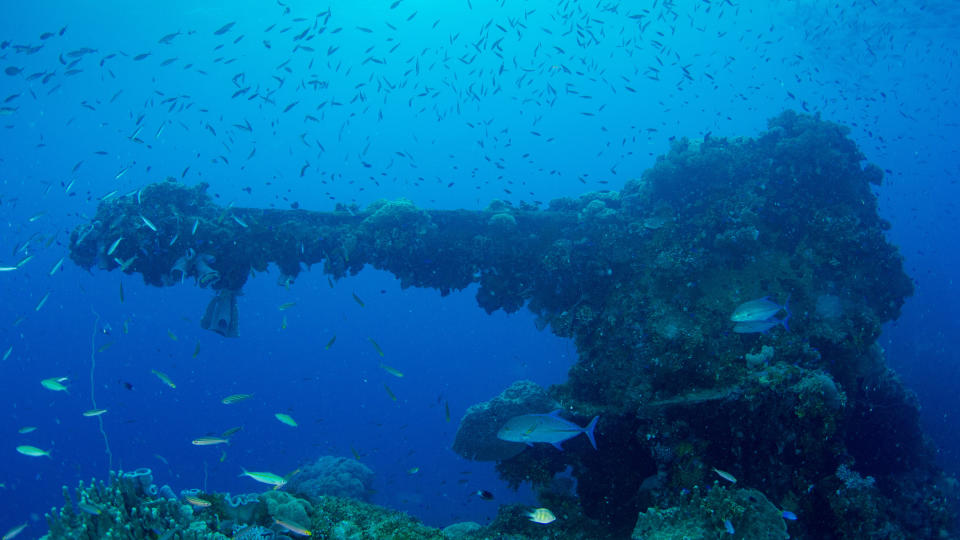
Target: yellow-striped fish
(293, 527)
(163, 377)
(209, 441)
(541, 515)
(375, 346)
(55, 384)
(235, 398)
(286, 419)
(90, 508)
(231, 431)
(725, 475)
(196, 501)
(265, 478)
(393, 371)
(32, 451)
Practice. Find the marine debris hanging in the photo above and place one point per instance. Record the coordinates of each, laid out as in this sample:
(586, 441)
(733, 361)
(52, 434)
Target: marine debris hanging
(781, 228)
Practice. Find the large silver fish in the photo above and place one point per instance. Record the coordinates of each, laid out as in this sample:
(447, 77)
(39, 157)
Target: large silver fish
(761, 309)
(545, 428)
(759, 315)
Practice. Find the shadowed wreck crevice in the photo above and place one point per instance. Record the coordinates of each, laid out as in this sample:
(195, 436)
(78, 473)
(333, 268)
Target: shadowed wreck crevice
(644, 281)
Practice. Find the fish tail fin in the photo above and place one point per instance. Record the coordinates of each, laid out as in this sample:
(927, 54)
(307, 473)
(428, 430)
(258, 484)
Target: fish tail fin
(589, 431)
(786, 307)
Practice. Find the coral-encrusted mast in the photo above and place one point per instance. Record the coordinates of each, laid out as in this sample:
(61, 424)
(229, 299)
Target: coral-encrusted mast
(645, 281)
(169, 232)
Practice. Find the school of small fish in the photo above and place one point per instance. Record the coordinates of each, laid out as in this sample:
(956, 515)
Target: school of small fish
(332, 98)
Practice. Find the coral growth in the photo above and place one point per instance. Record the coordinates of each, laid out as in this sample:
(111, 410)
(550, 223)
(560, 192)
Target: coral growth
(644, 281)
(131, 506)
(330, 475)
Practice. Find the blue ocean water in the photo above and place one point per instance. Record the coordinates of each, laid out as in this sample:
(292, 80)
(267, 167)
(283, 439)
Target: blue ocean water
(450, 105)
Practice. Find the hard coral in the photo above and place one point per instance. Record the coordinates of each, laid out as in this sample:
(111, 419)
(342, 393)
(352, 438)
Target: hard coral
(331, 475)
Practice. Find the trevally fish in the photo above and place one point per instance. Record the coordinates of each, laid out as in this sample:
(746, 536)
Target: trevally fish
(545, 428)
(759, 327)
(759, 315)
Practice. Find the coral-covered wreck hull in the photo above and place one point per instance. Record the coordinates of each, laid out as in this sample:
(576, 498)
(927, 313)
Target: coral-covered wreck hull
(644, 280)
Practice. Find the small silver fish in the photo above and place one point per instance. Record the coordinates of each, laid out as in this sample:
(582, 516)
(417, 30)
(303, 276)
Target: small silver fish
(89, 508)
(148, 223)
(114, 245)
(725, 475)
(124, 264)
(56, 266)
(14, 532)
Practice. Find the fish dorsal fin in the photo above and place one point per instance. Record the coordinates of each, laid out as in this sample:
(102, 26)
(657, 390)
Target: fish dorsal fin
(555, 412)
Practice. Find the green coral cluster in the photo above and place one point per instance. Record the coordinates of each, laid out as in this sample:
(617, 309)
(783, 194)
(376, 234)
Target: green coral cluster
(129, 506)
(718, 512)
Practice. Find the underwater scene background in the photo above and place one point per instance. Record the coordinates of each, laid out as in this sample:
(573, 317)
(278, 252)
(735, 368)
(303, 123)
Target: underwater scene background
(628, 174)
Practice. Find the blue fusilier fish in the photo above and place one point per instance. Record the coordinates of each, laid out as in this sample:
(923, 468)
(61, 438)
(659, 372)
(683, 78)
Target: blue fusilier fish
(545, 428)
(759, 315)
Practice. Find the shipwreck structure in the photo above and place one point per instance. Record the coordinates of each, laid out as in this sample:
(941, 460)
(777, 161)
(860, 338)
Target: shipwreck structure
(808, 420)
